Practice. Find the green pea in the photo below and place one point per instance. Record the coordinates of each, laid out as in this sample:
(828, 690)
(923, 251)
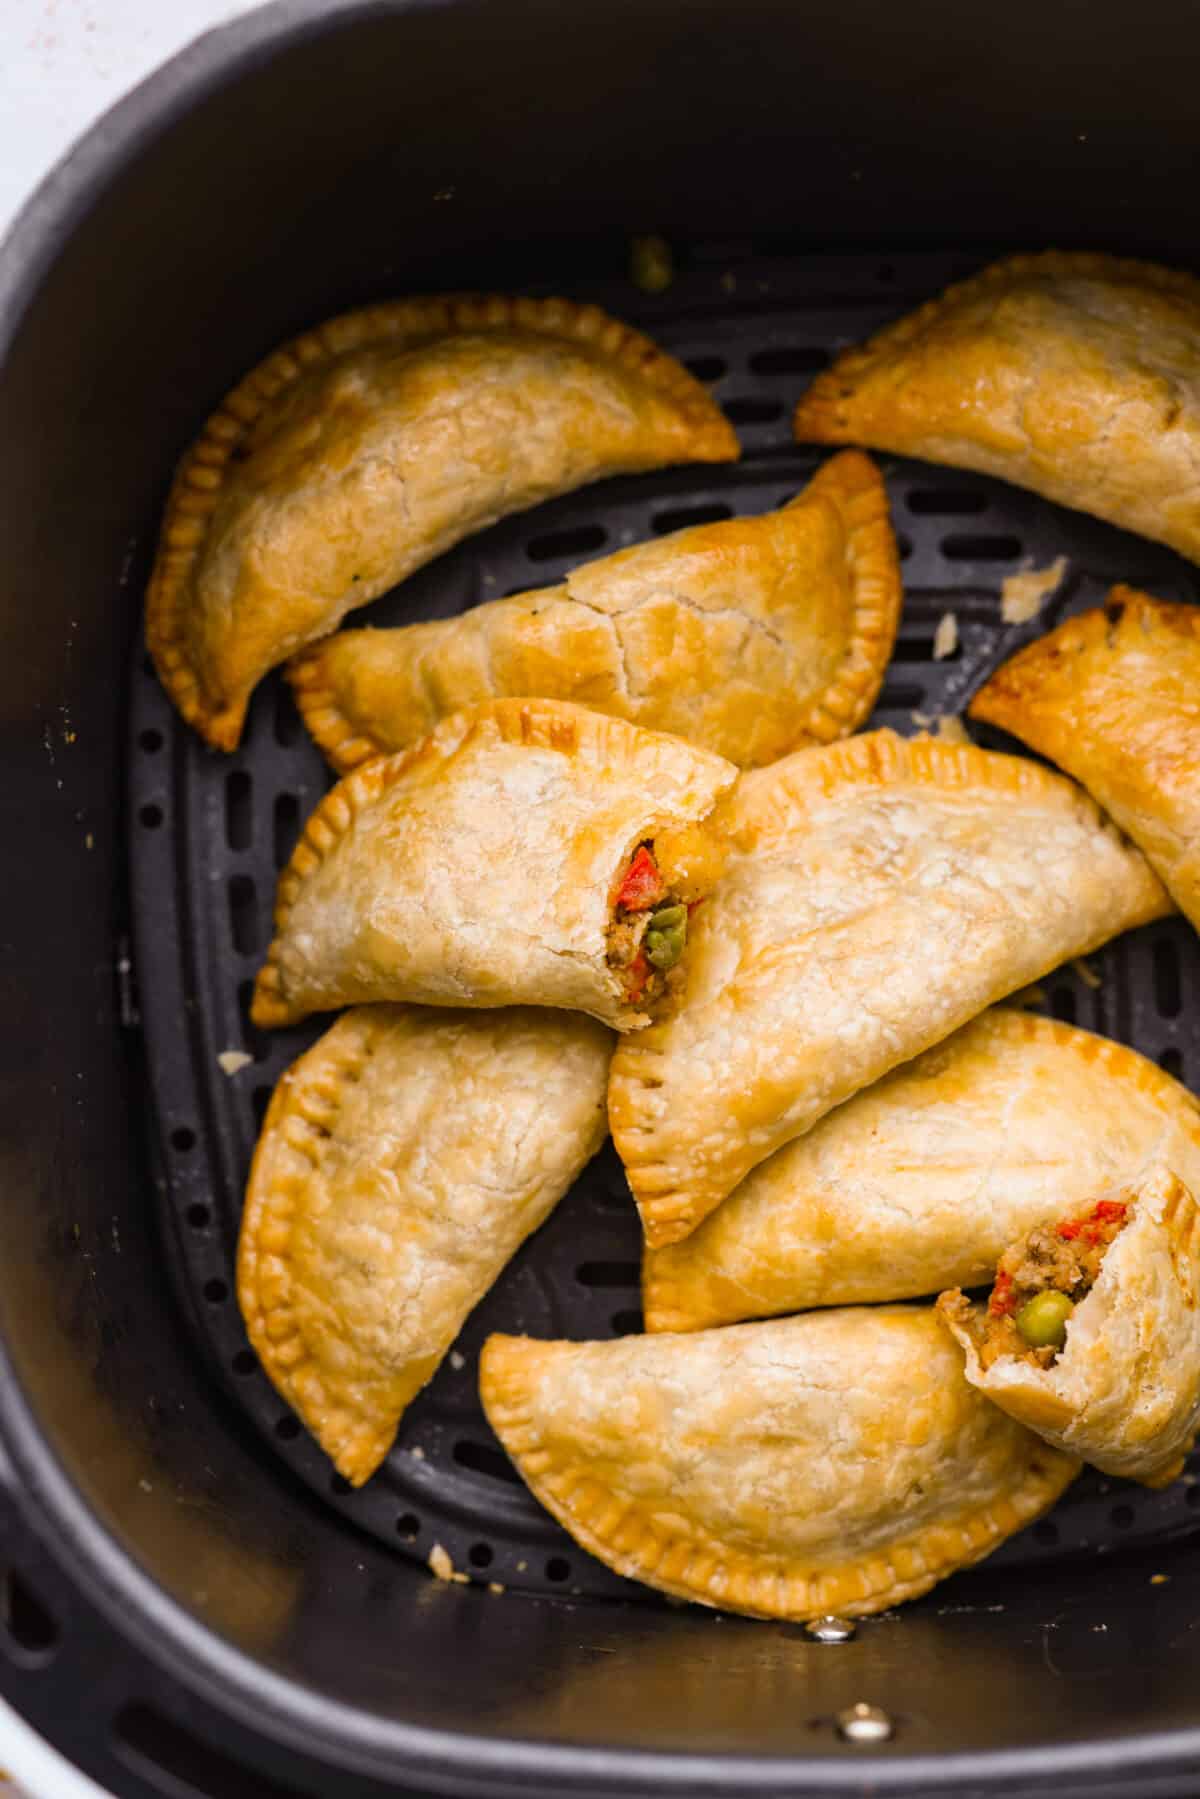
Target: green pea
(663, 917)
(1042, 1320)
(651, 265)
(664, 948)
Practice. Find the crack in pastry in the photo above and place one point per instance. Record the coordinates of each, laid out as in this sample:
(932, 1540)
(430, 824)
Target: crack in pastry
(1113, 696)
(1075, 375)
(404, 1159)
(923, 1180)
(1091, 1334)
(751, 637)
(836, 1462)
(368, 446)
(491, 866)
(878, 894)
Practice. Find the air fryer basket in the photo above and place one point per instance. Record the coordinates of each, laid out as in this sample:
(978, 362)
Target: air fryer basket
(190, 1604)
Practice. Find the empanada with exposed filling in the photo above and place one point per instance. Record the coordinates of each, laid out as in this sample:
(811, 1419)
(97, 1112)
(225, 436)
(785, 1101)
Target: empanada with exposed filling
(404, 1159)
(1113, 696)
(752, 637)
(366, 447)
(527, 853)
(878, 894)
(1073, 374)
(1091, 1334)
(922, 1180)
(835, 1462)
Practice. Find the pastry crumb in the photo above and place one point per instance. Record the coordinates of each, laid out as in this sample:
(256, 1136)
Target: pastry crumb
(232, 1061)
(496, 1586)
(1159, 1580)
(948, 727)
(417, 1453)
(441, 1565)
(457, 1359)
(1023, 595)
(521, 1567)
(945, 638)
(1086, 973)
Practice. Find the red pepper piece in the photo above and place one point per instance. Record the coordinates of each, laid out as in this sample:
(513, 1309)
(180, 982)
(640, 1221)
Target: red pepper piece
(639, 974)
(1002, 1302)
(1107, 1211)
(1069, 1231)
(643, 886)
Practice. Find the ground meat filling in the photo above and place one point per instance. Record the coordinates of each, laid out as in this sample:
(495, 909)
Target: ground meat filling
(647, 933)
(1040, 1282)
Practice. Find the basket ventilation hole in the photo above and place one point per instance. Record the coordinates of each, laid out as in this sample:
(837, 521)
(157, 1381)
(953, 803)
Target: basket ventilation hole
(239, 816)
(243, 915)
(750, 410)
(151, 741)
(216, 1292)
(1167, 994)
(161, 1750)
(965, 546)
(608, 1274)
(287, 827)
(481, 1458)
(900, 696)
(558, 1568)
(287, 1428)
(627, 1322)
(678, 518)
(407, 1526)
(151, 817)
(945, 502)
(480, 1555)
(199, 1217)
(706, 368)
(557, 546)
(913, 649)
(245, 1362)
(790, 359)
(28, 1624)
(183, 1139)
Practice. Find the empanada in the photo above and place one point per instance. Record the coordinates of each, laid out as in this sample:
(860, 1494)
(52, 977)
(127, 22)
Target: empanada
(366, 447)
(1113, 696)
(836, 1462)
(751, 637)
(1091, 1335)
(921, 1181)
(527, 853)
(879, 893)
(403, 1161)
(1076, 375)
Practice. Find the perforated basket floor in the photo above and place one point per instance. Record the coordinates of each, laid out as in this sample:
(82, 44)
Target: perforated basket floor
(210, 832)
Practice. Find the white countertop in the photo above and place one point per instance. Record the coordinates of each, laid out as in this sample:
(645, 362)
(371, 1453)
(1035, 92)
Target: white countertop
(66, 61)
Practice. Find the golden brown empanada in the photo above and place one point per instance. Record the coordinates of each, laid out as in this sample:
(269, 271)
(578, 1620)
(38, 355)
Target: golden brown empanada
(366, 447)
(1113, 696)
(404, 1159)
(1091, 1335)
(922, 1181)
(879, 893)
(751, 637)
(527, 853)
(1076, 375)
(837, 1462)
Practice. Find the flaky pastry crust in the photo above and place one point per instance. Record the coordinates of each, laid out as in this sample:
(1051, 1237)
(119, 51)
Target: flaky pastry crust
(476, 869)
(837, 1462)
(1076, 375)
(924, 1179)
(879, 893)
(366, 447)
(1124, 1392)
(403, 1160)
(1113, 696)
(751, 637)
